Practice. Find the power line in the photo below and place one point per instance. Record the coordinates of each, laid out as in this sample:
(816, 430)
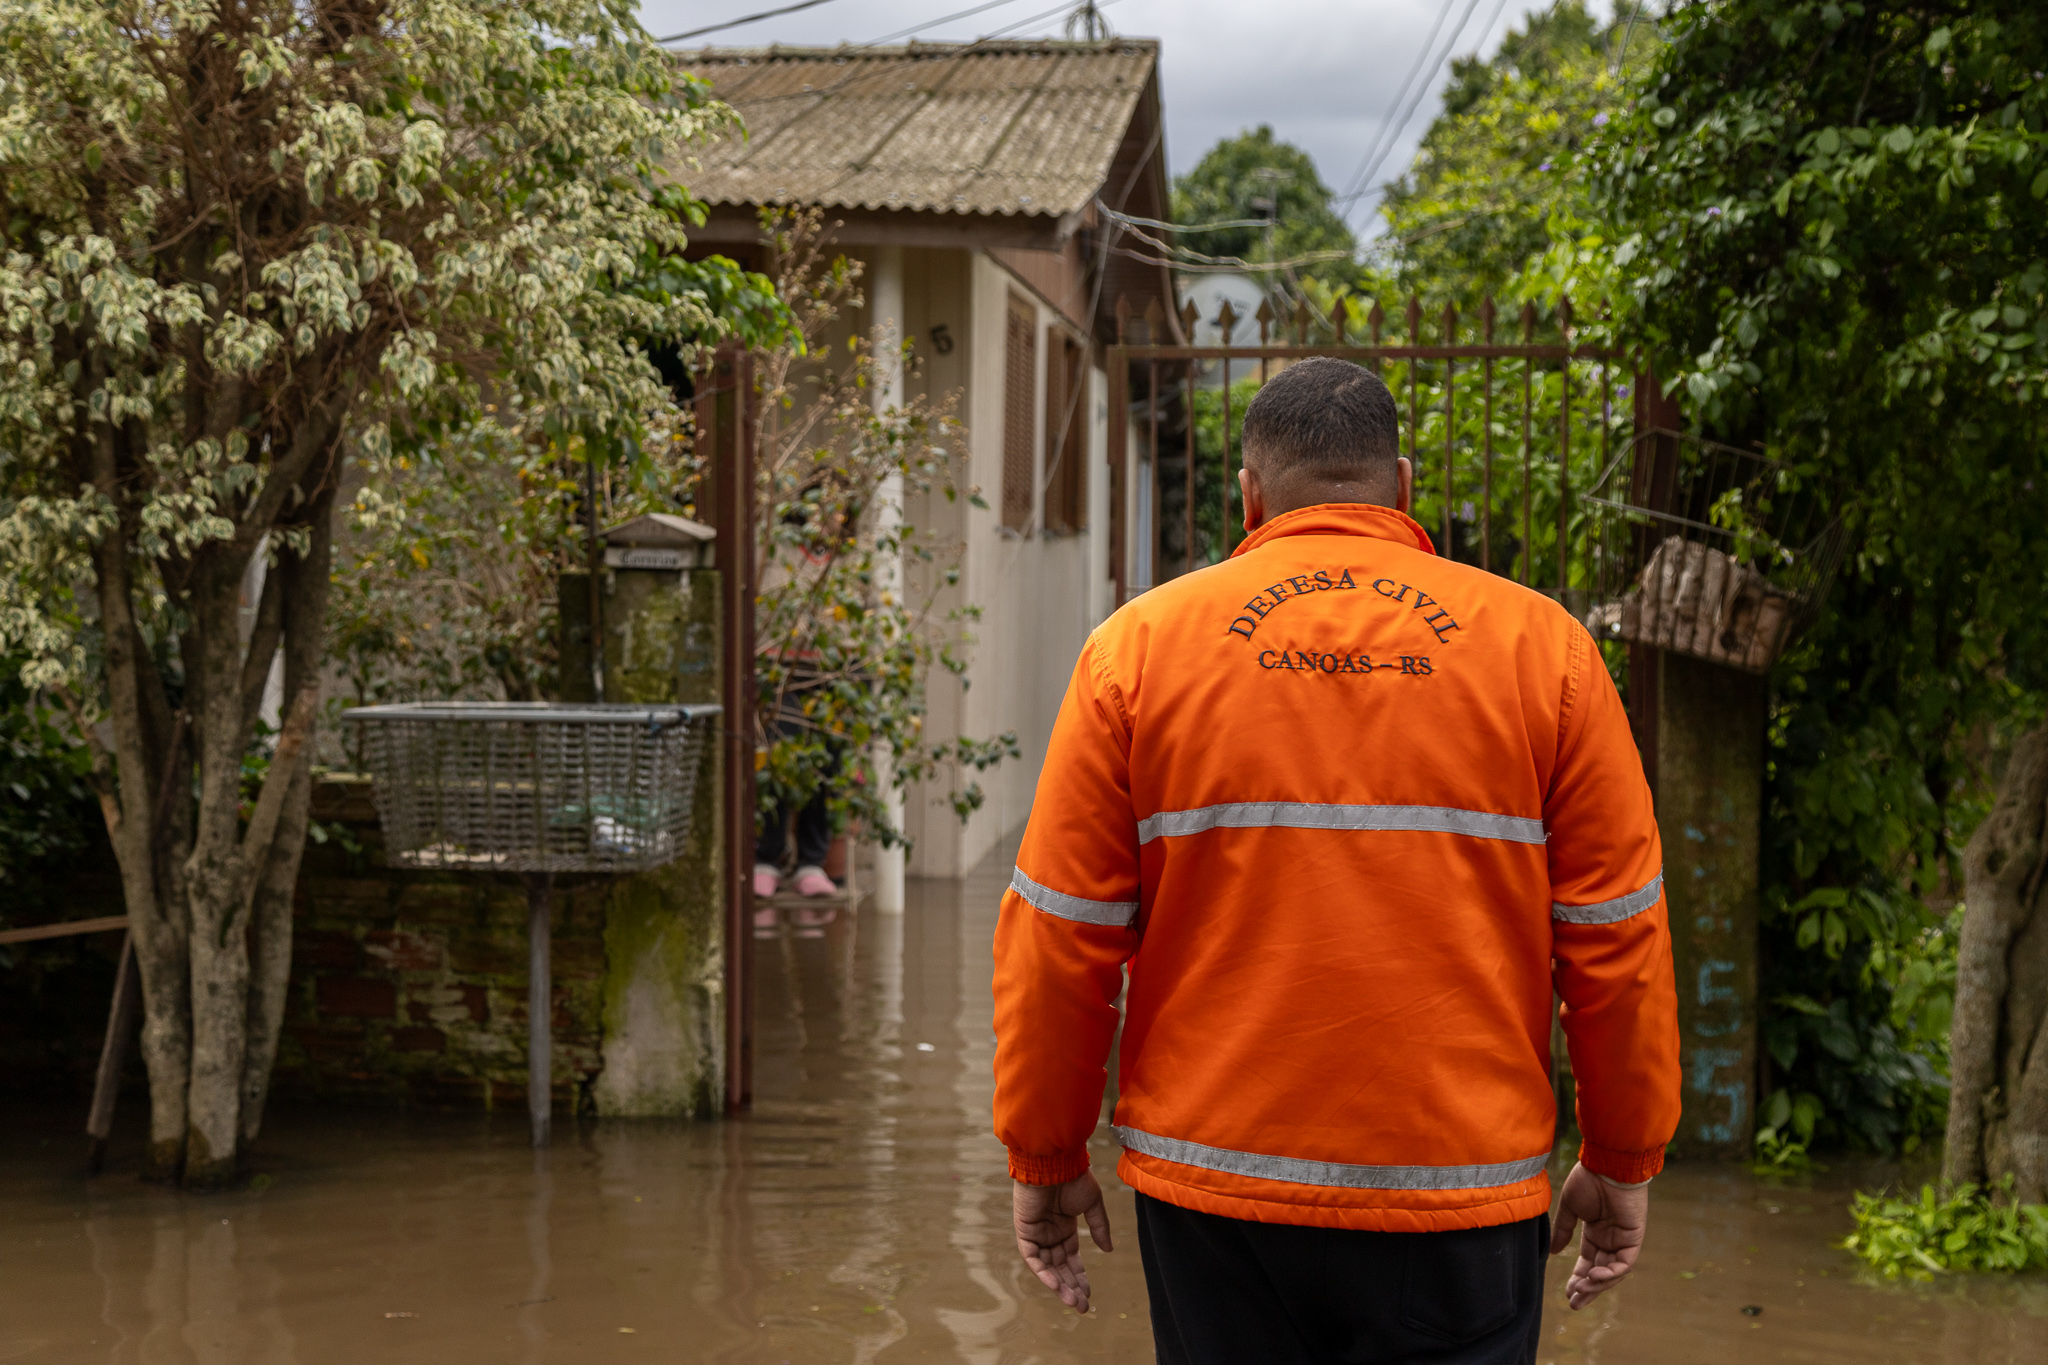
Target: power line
(934, 23)
(735, 23)
(1364, 181)
(1045, 14)
(1218, 226)
(1421, 55)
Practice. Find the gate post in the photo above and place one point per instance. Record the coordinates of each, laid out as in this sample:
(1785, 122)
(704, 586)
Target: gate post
(1710, 765)
(1700, 727)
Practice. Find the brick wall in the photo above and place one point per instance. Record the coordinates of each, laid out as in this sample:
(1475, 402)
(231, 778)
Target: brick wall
(410, 987)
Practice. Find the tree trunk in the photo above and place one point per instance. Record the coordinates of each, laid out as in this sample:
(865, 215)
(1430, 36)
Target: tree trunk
(1998, 1110)
(206, 881)
(145, 768)
(303, 602)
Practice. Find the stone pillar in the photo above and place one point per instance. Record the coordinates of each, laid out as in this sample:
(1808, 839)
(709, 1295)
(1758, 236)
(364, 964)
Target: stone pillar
(663, 1007)
(1709, 764)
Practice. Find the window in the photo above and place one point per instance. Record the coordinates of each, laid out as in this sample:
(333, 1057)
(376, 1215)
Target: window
(1066, 433)
(1020, 391)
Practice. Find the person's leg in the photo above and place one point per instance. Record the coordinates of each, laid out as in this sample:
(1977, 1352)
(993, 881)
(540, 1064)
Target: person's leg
(814, 832)
(1468, 1297)
(771, 844)
(1212, 1303)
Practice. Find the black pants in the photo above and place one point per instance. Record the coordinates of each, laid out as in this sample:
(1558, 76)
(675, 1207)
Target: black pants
(1241, 1293)
(813, 834)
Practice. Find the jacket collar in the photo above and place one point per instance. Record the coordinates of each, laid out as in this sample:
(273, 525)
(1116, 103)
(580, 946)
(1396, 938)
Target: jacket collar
(1340, 519)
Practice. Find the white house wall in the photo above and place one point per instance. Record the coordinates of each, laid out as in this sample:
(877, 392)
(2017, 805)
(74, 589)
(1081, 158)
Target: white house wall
(1039, 595)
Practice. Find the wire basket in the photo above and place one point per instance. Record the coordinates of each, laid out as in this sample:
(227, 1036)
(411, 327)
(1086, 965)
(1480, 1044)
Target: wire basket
(534, 786)
(1716, 552)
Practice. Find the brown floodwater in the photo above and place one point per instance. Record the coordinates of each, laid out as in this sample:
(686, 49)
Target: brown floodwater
(861, 1213)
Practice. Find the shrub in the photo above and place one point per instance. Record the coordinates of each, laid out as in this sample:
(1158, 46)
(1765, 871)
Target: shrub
(1971, 1229)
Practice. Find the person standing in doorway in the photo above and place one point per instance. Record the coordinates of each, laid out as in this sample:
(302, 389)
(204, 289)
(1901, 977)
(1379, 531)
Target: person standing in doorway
(1349, 813)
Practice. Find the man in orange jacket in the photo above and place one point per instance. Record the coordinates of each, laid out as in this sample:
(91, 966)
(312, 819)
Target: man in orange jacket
(1349, 812)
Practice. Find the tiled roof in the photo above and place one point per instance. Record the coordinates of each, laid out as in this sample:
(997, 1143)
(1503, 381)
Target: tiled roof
(972, 128)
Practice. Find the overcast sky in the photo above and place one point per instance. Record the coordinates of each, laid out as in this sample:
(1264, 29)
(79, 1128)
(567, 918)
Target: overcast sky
(1324, 73)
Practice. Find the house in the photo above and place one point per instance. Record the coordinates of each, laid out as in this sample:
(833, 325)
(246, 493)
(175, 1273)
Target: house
(972, 180)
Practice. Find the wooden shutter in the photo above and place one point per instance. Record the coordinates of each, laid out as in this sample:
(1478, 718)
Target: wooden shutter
(1020, 385)
(1066, 439)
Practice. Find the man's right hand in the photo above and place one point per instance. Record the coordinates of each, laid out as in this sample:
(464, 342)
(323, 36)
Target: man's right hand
(1615, 1216)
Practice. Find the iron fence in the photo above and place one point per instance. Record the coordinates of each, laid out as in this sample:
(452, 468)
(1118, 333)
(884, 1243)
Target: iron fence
(1538, 455)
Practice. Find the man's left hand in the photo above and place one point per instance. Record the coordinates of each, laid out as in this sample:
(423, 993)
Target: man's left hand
(1049, 1235)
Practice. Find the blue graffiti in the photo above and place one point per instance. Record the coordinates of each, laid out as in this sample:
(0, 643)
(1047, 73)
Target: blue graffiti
(1705, 1062)
(1709, 994)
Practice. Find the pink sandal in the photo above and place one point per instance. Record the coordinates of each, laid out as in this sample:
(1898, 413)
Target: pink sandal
(812, 881)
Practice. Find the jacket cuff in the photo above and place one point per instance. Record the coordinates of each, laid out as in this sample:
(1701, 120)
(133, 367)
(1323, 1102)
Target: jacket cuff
(1056, 1169)
(1629, 1168)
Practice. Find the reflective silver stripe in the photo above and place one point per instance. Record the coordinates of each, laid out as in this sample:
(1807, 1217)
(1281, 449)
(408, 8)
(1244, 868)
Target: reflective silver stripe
(1614, 911)
(1332, 1174)
(1117, 914)
(1479, 824)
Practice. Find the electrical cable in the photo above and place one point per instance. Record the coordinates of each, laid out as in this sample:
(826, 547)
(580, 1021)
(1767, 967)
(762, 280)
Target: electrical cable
(1363, 183)
(1047, 14)
(934, 23)
(1383, 148)
(736, 23)
(1421, 56)
(1133, 220)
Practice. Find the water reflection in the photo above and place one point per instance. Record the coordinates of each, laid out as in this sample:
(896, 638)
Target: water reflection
(860, 1215)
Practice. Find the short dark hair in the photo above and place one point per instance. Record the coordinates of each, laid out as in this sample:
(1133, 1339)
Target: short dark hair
(1324, 418)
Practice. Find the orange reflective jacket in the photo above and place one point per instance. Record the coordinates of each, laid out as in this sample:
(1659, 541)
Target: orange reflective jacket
(1350, 812)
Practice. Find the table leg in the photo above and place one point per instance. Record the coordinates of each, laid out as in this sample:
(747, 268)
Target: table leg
(106, 1087)
(539, 1005)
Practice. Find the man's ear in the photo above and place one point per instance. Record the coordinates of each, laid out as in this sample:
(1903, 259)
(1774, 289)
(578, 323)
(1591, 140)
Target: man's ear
(1404, 484)
(1254, 498)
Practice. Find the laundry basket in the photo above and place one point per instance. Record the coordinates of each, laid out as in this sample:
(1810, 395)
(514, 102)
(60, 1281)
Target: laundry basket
(534, 786)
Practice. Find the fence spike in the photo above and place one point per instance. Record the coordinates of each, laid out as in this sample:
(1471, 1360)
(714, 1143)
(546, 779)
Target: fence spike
(1154, 315)
(1378, 318)
(1123, 317)
(1339, 316)
(1226, 318)
(1486, 315)
(1265, 317)
(1564, 315)
(1528, 323)
(1188, 318)
(1450, 324)
(1414, 320)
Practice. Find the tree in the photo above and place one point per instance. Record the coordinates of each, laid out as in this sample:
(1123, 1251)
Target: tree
(449, 585)
(846, 641)
(1824, 220)
(1998, 1123)
(245, 242)
(1501, 160)
(1254, 176)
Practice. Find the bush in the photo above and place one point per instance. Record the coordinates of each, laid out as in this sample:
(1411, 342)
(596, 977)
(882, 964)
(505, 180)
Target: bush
(1972, 1229)
(48, 814)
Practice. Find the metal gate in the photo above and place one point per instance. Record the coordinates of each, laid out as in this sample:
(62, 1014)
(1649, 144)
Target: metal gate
(1519, 446)
(1554, 462)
